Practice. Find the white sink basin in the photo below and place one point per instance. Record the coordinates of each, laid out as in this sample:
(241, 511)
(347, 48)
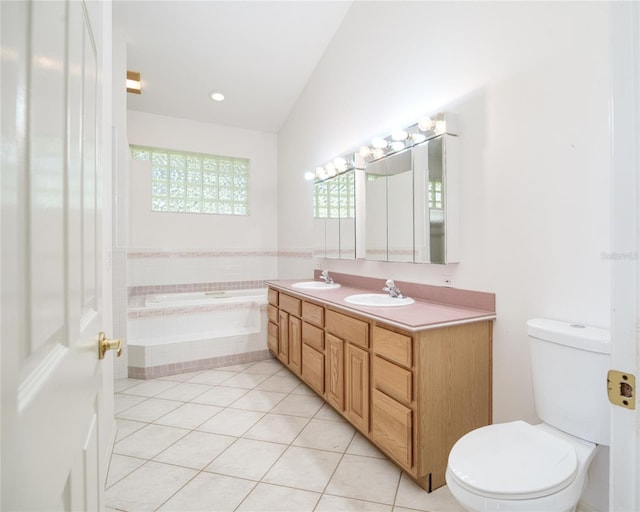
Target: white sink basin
(377, 299)
(315, 285)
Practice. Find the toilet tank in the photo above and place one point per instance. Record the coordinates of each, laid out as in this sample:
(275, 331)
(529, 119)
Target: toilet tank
(569, 364)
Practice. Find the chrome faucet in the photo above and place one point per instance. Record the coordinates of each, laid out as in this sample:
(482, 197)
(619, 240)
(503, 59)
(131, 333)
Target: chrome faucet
(393, 290)
(326, 277)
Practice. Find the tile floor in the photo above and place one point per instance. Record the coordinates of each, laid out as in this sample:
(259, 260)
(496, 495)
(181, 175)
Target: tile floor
(249, 437)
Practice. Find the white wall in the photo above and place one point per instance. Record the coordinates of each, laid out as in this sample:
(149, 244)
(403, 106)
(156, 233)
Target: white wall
(529, 83)
(220, 247)
(258, 230)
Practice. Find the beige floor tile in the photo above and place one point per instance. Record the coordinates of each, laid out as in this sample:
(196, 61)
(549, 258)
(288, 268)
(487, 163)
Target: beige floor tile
(127, 427)
(247, 458)
(149, 410)
(121, 466)
(411, 496)
(245, 380)
(211, 377)
(277, 428)
(326, 435)
(282, 383)
(149, 441)
(221, 396)
(121, 384)
(299, 405)
(303, 468)
(360, 445)
(231, 422)
(124, 402)
(195, 450)
(327, 412)
(267, 497)
(147, 487)
(210, 492)
(189, 415)
(339, 504)
(303, 389)
(181, 377)
(184, 391)
(149, 388)
(256, 400)
(365, 478)
(266, 367)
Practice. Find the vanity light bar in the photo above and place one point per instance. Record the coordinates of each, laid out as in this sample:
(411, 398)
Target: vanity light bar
(427, 127)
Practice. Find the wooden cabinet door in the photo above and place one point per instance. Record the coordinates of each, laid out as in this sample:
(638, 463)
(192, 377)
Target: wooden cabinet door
(313, 368)
(334, 381)
(283, 337)
(357, 386)
(295, 344)
(391, 428)
(272, 338)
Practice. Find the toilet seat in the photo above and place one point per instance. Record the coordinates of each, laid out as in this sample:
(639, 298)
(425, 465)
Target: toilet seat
(512, 460)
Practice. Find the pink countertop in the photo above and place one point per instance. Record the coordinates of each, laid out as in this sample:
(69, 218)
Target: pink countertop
(421, 315)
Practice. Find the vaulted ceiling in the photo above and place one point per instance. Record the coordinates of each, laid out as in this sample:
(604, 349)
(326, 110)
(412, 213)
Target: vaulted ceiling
(259, 54)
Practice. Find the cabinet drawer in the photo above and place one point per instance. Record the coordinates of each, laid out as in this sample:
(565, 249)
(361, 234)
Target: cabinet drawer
(313, 314)
(348, 328)
(392, 428)
(313, 336)
(290, 304)
(393, 346)
(272, 313)
(313, 368)
(273, 296)
(392, 379)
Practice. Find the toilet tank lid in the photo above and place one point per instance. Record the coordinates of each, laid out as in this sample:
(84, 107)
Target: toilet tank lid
(584, 337)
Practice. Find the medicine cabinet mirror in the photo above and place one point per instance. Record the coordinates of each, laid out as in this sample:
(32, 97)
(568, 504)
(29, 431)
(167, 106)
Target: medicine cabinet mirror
(334, 219)
(412, 203)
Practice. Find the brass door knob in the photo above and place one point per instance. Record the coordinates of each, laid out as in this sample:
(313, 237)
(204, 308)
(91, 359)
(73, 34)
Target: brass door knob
(105, 344)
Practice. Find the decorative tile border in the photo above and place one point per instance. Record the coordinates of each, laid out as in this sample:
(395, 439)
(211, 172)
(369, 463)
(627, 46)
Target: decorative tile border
(191, 310)
(168, 253)
(153, 372)
(195, 287)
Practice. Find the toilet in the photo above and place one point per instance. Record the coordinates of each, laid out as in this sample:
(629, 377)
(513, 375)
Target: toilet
(516, 466)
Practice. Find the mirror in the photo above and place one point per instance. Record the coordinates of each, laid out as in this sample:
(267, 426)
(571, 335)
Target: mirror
(411, 204)
(334, 219)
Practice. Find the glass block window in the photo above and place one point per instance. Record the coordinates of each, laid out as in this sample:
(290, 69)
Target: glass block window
(335, 198)
(435, 195)
(196, 182)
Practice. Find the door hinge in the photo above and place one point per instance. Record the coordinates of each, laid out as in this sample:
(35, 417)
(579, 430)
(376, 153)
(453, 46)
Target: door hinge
(621, 387)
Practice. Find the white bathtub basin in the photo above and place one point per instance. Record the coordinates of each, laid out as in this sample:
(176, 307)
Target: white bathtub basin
(315, 285)
(377, 299)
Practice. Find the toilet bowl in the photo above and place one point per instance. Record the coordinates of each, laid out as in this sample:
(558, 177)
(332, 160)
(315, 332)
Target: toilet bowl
(519, 467)
(516, 466)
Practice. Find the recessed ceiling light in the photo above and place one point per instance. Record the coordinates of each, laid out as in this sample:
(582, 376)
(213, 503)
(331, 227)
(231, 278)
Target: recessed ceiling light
(217, 96)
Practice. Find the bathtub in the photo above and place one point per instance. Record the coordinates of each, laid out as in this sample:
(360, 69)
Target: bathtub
(180, 332)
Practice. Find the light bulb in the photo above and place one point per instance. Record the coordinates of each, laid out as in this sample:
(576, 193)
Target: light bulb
(441, 126)
(397, 145)
(418, 137)
(379, 143)
(378, 153)
(340, 163)
(364, 151)
(309, 175)
(425, 124)
(217, 96)
(399, 135)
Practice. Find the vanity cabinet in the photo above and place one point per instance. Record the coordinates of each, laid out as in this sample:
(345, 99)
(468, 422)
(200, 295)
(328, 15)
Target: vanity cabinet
(313, 366)
(273, 322)
(412, 393)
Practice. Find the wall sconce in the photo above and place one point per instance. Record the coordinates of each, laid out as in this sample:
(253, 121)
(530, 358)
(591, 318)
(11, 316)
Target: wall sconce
(133, 82)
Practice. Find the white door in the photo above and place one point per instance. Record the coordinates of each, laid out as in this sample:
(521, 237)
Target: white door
(52, 159)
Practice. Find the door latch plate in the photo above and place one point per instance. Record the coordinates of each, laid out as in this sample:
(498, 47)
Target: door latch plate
(621, 387)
